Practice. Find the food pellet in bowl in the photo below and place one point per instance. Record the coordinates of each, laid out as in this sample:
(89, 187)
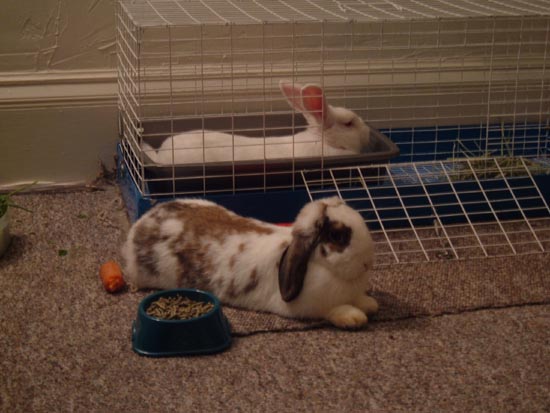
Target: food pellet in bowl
(178, 307)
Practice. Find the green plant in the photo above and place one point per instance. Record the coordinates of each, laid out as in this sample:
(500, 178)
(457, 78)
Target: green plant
(6, 202)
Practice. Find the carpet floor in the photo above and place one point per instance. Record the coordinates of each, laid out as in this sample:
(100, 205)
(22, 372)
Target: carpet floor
(451, 336)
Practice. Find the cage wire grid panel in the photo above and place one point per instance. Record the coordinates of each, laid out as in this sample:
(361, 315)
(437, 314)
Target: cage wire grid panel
(443, 210)
(439, 78)
(461, 87)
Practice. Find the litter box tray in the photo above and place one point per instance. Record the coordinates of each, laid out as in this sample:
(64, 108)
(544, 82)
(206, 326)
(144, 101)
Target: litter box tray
(256, 174)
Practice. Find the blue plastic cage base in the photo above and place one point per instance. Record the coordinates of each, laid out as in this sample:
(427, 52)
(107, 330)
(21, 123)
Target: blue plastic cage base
(440, 143)
(437, 144)
(381, 208)
(276, 206)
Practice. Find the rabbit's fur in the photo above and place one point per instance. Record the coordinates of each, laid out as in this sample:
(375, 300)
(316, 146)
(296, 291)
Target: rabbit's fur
(331, 131)
(317, 268)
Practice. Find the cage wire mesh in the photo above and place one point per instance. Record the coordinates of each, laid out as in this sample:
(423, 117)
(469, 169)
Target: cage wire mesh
(461, 87)
(437, 210)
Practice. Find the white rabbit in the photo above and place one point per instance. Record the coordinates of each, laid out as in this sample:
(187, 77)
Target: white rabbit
(331, 131)
(318, 268)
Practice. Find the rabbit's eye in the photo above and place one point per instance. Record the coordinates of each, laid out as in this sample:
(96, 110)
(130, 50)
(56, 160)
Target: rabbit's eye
(349, 124)
(337, 237)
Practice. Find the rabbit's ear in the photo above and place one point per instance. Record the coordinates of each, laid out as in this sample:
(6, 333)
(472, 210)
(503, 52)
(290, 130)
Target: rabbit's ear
(306, 235)
(315, 104)
(310, 100)
(293, 93)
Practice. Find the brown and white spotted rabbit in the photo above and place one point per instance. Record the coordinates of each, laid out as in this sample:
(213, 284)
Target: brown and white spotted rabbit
(317, 268)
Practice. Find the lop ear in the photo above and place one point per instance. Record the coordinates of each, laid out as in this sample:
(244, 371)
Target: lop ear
(306, 235)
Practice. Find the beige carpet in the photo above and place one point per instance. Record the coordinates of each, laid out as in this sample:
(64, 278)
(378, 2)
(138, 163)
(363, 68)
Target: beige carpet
(69, 235)
(65, 343)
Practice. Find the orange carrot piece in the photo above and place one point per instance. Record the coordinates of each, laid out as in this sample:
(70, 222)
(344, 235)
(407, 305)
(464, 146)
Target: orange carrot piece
(111, 277)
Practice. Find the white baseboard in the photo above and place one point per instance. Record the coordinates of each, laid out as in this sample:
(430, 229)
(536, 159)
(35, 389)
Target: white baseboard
(56, 127)
(44, 186)
(58, 88)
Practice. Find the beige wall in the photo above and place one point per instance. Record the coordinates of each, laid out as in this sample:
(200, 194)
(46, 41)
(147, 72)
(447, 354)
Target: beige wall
(58, 87)
(58, 113)
(57, 146)
(56, 35)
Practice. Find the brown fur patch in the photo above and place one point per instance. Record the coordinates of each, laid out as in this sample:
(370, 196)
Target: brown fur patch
(232, 261)
(212, 220)
(336, 236)
(234, 257)
(195, 265)
(216, 285)
(201, 223)
(231, 290)
(252, 283)
(145, 239)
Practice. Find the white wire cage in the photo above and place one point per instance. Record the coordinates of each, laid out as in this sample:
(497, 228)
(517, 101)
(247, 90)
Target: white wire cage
(445, 210)
(445, 81)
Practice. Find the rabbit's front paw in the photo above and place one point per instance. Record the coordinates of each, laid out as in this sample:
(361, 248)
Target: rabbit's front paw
(367, 304)
(347, 316)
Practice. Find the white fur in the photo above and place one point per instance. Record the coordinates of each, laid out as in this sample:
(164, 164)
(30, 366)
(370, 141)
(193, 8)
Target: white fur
(340, 132)
(334, 287)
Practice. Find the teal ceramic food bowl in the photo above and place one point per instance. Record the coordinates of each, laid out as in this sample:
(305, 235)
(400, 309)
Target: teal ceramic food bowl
(206, 334)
